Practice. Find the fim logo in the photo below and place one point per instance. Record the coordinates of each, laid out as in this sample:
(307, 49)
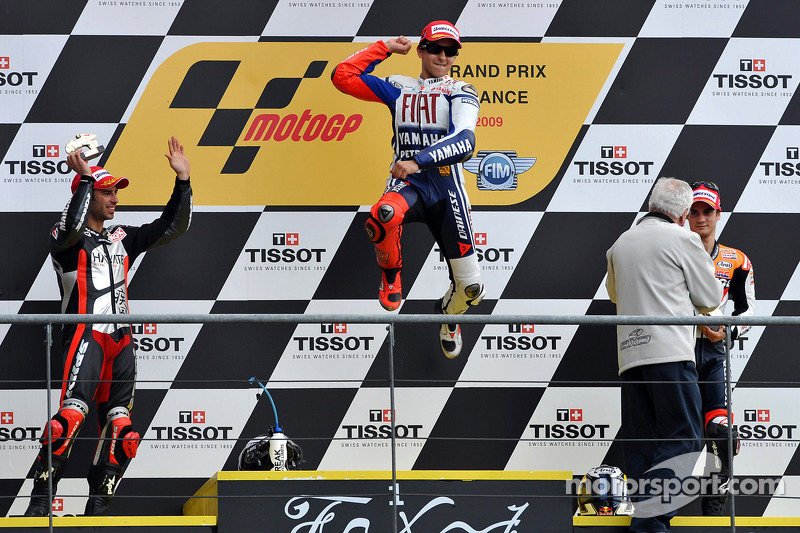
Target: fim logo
(497, 170)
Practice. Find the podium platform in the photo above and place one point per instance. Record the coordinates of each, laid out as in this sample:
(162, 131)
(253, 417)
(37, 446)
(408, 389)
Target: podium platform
(421, 501)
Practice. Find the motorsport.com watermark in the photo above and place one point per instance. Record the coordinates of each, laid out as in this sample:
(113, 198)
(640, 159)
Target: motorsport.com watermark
(665, 492)
(668, 488)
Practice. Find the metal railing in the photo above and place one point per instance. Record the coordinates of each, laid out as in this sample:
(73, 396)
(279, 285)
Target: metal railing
(392, 320)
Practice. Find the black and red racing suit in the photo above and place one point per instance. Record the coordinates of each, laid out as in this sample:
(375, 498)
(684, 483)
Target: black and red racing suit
(92, 270)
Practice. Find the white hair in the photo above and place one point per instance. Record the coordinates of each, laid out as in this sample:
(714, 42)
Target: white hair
(670, 196)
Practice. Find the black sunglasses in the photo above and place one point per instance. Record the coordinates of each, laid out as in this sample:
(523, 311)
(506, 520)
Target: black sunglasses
(706, 184)
(436, 49)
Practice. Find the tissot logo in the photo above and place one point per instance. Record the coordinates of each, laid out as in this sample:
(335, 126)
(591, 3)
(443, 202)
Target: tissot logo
(613, 152)
(602, 167)
(378, 430)
(149, 342)
(569, 415)
(752, 65)
(521, 337)
(14, 79)
(756, 80)
(292, 253)
(789, 167)
(759, 426)
(285, 239)
(486, 253)
(34, 167)
(46, 150)
(333, 328)
(198, 430)
(333, 338)
(380, 415)
(17, 433)
(188, 417)
(568, 429)
(756, 415)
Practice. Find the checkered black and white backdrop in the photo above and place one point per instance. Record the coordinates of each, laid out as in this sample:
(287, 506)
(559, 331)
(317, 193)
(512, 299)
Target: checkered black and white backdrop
(698, 90)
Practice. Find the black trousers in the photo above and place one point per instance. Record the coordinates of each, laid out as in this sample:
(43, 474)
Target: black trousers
(661, 422)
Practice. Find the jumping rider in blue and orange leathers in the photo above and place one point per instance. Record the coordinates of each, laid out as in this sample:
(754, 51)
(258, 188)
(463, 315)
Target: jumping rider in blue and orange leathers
(434, 118)
(91, 262)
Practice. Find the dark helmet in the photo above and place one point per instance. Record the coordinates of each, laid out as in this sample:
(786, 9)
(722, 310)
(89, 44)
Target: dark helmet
(604, 492)
(255, 454)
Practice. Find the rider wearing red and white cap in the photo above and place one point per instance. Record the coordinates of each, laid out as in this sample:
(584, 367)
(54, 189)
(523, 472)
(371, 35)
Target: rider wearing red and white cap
(434, 118)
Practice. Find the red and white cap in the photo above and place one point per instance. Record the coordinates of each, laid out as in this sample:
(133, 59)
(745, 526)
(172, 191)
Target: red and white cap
(102, 180)
(709, 196)
(441, 29)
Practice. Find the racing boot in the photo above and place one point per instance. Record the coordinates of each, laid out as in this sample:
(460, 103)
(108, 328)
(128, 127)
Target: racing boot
(117, 446)
(449, 335)
(102, 484)
(390, 291)
(714, 504)
(41, 499)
